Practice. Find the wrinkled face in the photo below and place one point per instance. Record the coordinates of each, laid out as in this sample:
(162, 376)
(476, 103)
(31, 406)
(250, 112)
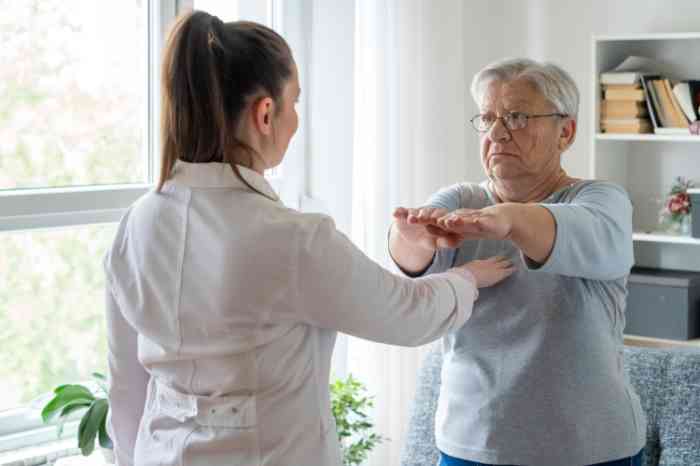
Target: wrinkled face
(286, 121)
(527, 153)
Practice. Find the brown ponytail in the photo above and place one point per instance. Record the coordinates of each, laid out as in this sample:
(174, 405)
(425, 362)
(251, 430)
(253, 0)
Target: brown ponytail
(210, 69)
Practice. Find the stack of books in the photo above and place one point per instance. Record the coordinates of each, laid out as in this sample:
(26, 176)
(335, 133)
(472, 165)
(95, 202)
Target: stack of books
(623, 108)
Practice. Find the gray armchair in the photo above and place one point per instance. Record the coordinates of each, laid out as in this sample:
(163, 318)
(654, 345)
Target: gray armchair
(667, 381)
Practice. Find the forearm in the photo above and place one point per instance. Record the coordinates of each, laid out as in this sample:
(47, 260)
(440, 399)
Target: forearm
(533, 230)
(410, 257)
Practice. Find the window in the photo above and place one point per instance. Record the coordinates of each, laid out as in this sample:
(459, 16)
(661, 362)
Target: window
(78, 144)
(72, 94)
(77, 120)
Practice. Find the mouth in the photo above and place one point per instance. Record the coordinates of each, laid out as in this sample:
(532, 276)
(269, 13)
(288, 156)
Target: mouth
(501, 154)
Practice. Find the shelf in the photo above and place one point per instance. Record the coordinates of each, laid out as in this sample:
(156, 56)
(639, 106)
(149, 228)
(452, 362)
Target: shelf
(648, 137)
(652, 342)
(647, 36)
(665, 238)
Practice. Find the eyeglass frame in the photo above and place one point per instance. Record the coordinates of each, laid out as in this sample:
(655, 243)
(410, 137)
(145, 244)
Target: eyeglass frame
(503, 118)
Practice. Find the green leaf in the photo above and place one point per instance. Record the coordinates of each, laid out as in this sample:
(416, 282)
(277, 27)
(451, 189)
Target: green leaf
(81, 429)
(74, 406)
(105, 441)
(73, 390)
(90, 426)
(59, 428)
(101, 381)
(62, 398)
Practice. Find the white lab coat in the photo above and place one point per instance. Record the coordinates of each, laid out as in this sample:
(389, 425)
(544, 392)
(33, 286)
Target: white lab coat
(222, 310)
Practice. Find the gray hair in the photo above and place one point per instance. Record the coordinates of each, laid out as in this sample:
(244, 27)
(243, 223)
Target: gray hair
(555, 84)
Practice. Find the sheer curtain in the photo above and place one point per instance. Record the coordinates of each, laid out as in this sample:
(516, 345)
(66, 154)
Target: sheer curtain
(409, 140)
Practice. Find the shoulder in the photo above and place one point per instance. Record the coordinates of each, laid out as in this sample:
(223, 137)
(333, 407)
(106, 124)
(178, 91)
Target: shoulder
(597, 189)
(306, 229)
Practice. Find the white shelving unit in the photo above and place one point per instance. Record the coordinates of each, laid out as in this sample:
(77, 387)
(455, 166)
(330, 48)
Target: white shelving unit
(647, 164)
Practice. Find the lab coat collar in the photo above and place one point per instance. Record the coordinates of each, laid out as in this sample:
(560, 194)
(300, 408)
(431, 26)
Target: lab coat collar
(220, 175)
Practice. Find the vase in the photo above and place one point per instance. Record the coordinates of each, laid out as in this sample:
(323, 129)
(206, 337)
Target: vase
(108, 455)
(685, 226)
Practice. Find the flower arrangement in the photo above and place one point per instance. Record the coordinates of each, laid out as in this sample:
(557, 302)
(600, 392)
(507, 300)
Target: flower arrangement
(695, 128)
(675, 215)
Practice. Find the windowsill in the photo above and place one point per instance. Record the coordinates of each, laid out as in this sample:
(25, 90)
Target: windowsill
(46, 453)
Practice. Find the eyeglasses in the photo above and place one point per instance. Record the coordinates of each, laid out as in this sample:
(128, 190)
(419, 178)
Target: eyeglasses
(513, 120)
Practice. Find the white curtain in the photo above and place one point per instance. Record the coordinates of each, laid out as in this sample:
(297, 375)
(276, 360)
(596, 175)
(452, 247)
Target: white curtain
(409, 140)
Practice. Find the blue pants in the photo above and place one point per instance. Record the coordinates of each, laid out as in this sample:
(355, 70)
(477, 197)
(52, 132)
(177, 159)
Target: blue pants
(635, 460)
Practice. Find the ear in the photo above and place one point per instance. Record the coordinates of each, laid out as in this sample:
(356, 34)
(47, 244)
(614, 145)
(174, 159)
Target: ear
(262, 112)
(567, 134)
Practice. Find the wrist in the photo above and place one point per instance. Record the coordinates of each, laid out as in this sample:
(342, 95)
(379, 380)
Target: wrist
(421, 244)
(512, 214)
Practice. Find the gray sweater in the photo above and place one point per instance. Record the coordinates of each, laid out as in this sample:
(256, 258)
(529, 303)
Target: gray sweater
(536, 375)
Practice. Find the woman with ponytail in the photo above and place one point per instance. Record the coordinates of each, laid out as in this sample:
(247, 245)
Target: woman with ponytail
(223, 304)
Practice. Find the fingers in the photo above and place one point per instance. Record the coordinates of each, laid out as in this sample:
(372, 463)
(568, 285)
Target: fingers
(400, 213)
(458, 218)
(500, 260)
(437, 231)
(425, 215)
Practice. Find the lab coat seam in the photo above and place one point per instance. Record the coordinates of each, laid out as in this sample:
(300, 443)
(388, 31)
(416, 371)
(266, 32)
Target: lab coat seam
(181, 261)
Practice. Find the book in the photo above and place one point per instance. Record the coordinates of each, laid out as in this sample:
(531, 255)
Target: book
(631, 70)
(679, 118)
(682, 93)
(622, 109)
(617, 93)
(665, 105)
(695, 95)
(652, 108)
(663, 119)
(620, 77)
(636, 85)
(672, 131)
(626, 125)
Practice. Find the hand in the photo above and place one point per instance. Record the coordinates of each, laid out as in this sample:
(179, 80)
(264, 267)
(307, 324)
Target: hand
(419, 226)
(490, 271)
(492, 222)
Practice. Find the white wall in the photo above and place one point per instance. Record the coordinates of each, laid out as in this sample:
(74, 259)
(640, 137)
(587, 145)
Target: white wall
(561, 31)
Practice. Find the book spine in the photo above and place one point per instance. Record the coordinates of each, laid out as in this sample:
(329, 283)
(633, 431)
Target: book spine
(657, 95)
(650, 103)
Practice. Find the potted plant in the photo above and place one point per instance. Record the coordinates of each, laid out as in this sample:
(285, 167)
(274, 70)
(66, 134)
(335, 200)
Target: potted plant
(72, 398)
(355, 431)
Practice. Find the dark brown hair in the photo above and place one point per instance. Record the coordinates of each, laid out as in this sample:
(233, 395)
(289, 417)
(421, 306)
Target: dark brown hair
(210, 69)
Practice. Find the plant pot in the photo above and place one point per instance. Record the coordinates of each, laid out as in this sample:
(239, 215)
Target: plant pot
(108, 455)
(694, 212)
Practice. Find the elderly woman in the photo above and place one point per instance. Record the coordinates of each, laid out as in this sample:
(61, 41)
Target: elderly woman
(537, 377)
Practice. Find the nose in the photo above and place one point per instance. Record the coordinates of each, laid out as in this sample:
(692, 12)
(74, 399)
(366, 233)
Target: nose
(498, 131)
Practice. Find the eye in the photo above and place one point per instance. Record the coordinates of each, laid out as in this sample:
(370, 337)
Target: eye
(488, 118)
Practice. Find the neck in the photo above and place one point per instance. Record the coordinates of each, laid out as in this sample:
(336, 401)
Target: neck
(524, 190)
